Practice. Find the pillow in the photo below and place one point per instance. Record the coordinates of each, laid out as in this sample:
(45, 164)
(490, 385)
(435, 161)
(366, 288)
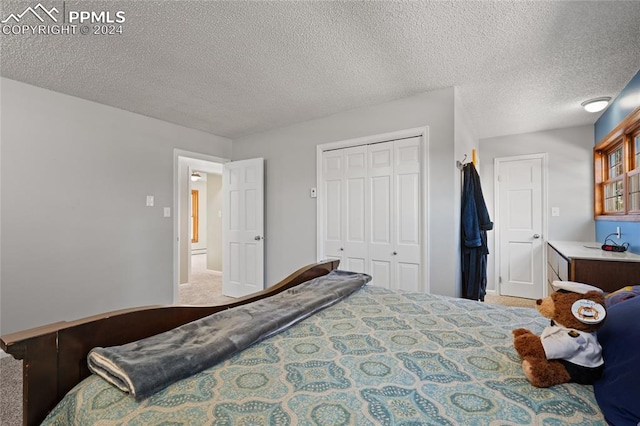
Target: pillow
(621, 295)
(618, 389)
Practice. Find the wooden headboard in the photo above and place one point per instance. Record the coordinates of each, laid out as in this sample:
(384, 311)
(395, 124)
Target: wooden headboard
(54, 355)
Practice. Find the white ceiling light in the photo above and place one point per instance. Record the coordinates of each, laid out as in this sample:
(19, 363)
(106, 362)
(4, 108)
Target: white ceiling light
(596, 105)
(195, 176)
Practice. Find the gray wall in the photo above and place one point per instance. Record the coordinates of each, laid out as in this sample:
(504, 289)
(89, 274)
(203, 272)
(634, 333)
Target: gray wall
(77, 238)
(214, 223)
(465, 142)
(570, 185)
(290, 171)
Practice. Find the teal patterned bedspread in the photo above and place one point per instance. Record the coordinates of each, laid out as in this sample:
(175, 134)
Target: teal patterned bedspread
(377, 357)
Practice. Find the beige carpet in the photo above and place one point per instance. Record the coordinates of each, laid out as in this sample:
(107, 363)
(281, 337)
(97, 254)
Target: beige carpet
(510, 301)
(204, 287)
(10, 392)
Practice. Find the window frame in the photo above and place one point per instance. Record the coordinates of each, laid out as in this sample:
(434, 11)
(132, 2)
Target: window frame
(634, 166)
(622, 136)
(195, 206)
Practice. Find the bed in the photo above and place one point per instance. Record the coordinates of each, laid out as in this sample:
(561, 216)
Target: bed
(375, 357)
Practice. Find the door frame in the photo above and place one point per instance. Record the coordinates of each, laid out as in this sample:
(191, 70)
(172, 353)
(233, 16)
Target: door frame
(423, 134)
(497, 161)
(183, 164)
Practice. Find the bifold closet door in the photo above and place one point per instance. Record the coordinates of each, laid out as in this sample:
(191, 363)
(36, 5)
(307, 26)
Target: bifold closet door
(372, 211)
(382, 214)
(354, 212)
(345, 174)
(394, 188)
(406, 222)
(333, 188)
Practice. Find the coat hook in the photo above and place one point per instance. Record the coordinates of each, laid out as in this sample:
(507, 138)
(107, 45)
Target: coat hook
(460, 164)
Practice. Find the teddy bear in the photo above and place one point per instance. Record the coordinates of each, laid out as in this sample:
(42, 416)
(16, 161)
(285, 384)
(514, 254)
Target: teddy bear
(568, 349)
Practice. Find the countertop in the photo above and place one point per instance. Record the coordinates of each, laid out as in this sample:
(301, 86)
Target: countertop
(591, 251)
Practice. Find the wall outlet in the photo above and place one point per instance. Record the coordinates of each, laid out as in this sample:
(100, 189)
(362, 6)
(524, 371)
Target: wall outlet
(149, 200)
(314, 193)
(618, 233)
(167, 212)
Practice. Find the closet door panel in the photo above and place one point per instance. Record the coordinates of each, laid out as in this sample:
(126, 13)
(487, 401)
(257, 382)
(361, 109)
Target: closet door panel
(380, 212)
(356, 211)
(355, 202)
(406, 227)
(355, 264)
(408, 276)
(408, 204)
(381, 273)
(333, 176)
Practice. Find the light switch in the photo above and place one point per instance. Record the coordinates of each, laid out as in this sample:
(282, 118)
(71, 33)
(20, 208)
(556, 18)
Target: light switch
(167, 212)
(149, 200)
(555, 211)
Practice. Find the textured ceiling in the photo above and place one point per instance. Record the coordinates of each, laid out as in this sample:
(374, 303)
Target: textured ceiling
(236, 68)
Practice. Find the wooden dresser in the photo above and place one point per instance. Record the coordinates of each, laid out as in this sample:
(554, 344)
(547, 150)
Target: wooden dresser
(585, 262)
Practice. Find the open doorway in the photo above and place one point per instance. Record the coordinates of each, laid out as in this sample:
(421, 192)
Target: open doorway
(242, 221)
(198, 229)
(204, 281)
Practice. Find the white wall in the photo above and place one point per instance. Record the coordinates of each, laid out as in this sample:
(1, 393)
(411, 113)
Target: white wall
(77, 238)
(570, 186)
(290, 171)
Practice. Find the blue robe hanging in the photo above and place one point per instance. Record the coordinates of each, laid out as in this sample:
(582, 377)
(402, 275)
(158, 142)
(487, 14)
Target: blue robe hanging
(475, 224)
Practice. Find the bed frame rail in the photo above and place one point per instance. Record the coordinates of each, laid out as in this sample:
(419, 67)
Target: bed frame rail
(54, 356)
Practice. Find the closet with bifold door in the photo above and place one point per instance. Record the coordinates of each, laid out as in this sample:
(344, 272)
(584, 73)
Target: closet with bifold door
(372, 211)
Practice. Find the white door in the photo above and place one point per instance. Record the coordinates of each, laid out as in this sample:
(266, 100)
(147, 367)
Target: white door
(243, 227)
(355, 203)
(520, 221)
(345, 174)
(394, 212)
(381, 214)
(333, 176)
(407, 250)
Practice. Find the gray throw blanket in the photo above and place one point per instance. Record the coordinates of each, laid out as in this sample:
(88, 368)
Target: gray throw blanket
(146, 366)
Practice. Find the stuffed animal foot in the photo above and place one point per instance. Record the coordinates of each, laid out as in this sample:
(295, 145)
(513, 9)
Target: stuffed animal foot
(520, 331)
(543, 374)
(528, 345)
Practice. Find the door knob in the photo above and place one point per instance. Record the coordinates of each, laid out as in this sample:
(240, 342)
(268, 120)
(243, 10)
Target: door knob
(257, 238)
(395, 252)
(341, 249)
(536, 236)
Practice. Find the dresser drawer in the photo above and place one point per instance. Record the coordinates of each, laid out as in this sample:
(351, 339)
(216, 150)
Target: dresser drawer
(563, 268)
(557, 266)
(551, 275)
